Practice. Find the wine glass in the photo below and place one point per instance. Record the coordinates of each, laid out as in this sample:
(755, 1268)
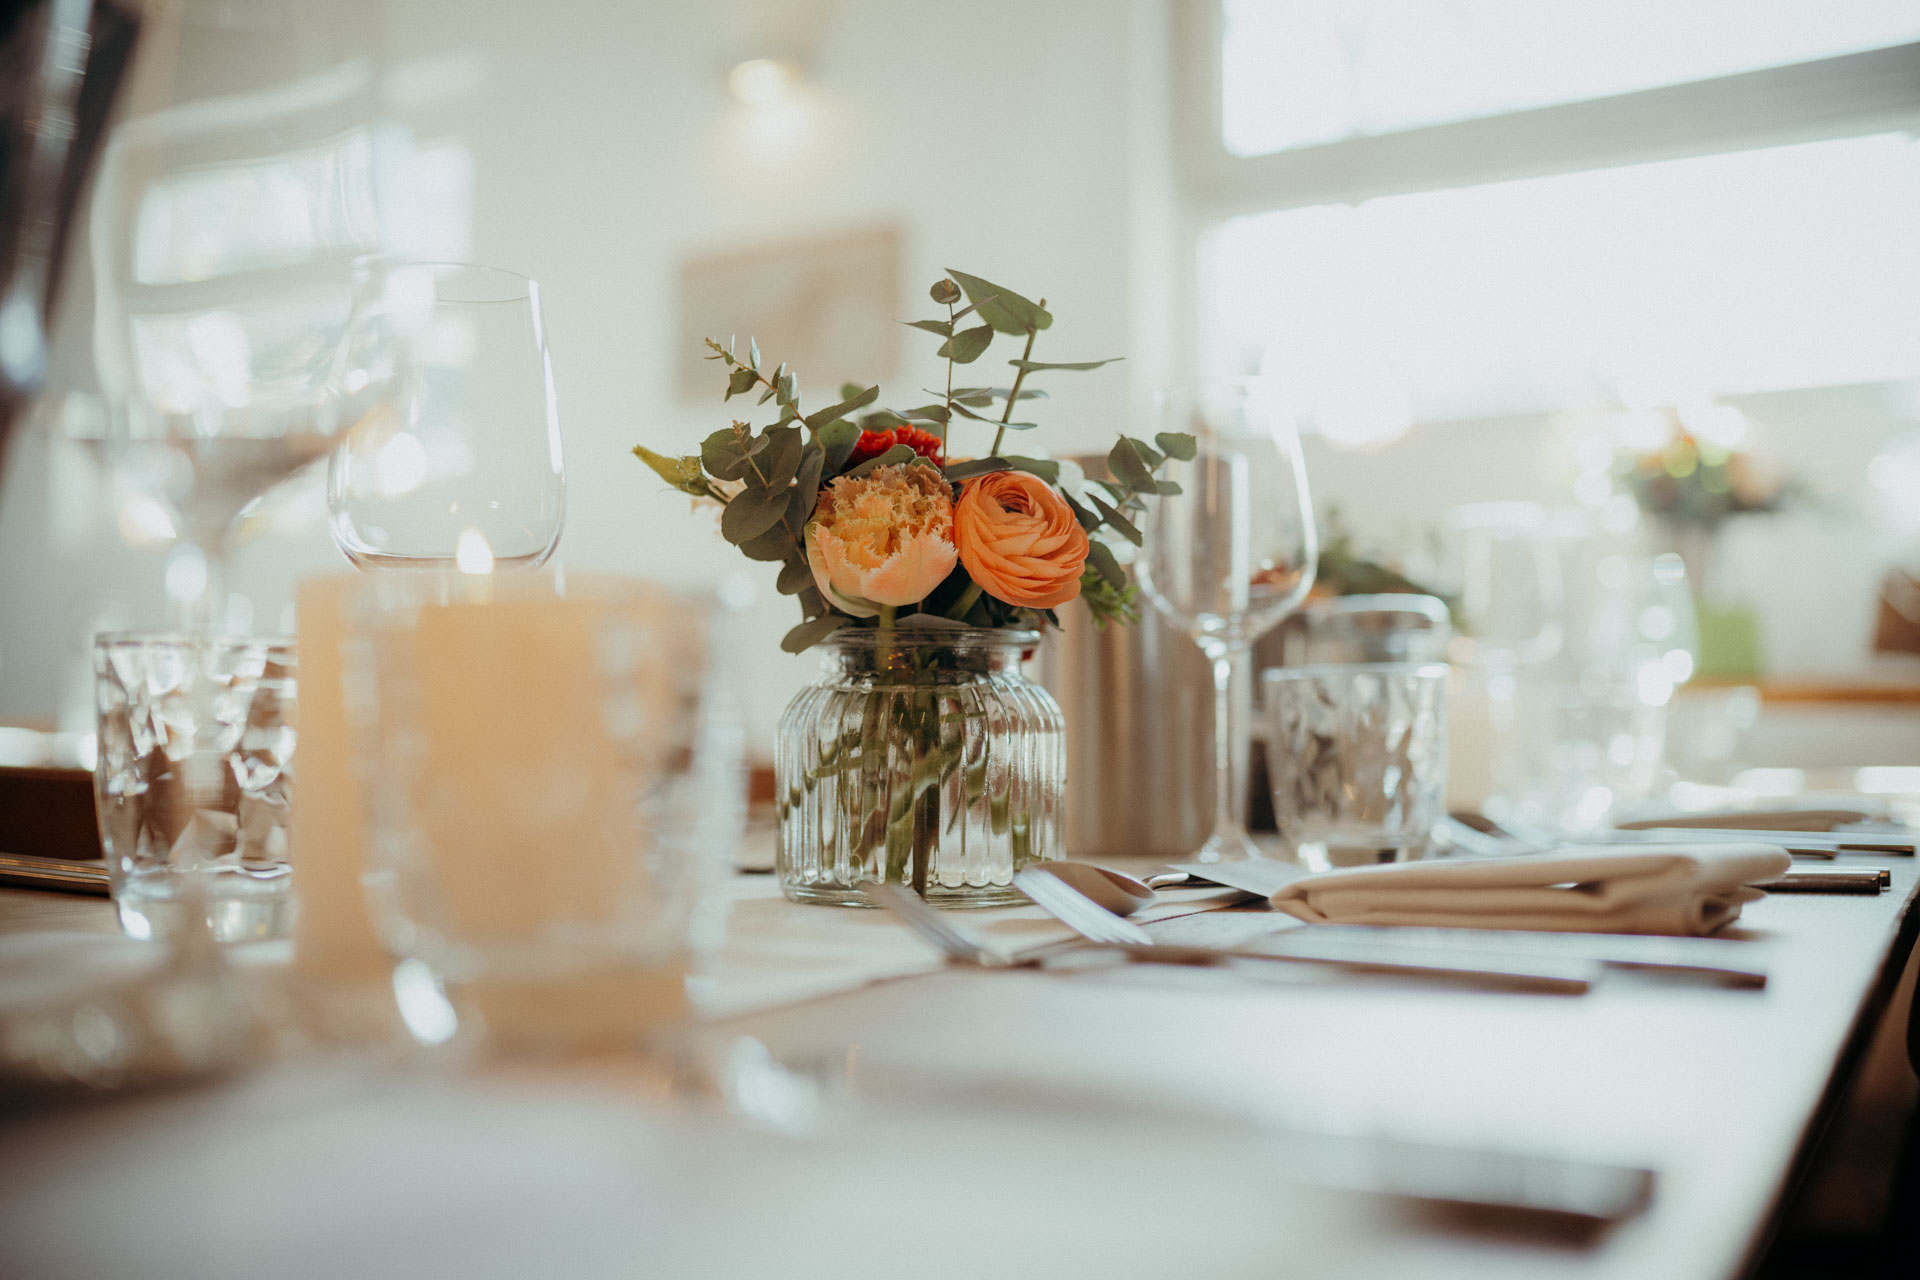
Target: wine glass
(229, 214)
(461, 464)
(1229, 557)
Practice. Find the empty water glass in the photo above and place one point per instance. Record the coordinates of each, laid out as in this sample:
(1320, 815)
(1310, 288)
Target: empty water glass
(1357, 758)
(194, 780)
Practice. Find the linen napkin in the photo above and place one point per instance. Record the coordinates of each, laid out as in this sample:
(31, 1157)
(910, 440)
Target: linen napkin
(1670, 889)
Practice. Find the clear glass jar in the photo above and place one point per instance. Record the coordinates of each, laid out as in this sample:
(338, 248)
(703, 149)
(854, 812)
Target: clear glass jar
(923, 757)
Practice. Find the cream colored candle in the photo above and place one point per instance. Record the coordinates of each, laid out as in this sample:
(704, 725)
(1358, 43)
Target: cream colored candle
(334, 941)
(529, 746)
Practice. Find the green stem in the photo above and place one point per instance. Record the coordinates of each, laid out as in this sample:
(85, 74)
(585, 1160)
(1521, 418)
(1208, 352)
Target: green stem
(1013, 392)
(947, 426)
(959, 608)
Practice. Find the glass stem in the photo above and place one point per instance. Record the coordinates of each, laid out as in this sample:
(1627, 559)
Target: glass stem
(1229, 778)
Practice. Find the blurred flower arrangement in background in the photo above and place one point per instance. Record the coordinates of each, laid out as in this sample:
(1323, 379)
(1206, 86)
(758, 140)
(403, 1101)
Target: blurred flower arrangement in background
(1691, 480)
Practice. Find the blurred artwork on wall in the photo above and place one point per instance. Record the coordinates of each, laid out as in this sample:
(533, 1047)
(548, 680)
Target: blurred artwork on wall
(826, 303)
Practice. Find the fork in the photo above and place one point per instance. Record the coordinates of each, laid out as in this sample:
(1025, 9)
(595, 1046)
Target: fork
(956, 944)
(1098, 925)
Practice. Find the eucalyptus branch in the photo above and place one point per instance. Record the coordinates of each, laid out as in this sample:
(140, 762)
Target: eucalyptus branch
(1013, 392)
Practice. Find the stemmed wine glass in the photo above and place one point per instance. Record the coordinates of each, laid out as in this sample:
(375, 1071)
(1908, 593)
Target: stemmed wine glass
(460, 466)
(224, 231)
(1229, 557)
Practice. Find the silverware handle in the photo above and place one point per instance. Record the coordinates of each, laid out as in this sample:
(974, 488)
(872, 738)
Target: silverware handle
(53, 873)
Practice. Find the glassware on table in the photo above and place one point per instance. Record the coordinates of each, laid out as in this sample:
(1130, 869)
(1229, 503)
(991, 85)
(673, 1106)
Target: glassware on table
(193, 782)
(461, 462)
(545, 786)
(1393, 627)
(1229, 557)
(1581, 731)
(1506, 578)
(228, 215)
(1359, 760)
(950, 708)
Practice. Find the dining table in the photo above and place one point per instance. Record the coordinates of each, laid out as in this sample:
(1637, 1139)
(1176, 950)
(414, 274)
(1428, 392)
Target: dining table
(880, 1111)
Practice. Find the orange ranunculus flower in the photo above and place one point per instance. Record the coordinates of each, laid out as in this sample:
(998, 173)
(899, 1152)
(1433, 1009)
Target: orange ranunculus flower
(1018, 539)
(885, 538)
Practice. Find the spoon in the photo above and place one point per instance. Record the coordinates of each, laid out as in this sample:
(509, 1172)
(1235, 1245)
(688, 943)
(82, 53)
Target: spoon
(1117, 891)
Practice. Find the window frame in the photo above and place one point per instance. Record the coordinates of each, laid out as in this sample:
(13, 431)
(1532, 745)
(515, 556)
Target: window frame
(1850, 95)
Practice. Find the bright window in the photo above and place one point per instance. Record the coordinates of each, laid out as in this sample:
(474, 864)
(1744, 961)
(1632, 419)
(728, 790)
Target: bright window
(1755, 270)
(1297, 72)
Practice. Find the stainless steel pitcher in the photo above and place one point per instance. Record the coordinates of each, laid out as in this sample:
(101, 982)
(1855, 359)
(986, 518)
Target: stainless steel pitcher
(1139, 716)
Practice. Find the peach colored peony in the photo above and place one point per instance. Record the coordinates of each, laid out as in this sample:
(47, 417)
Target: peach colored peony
(885, 538)
(1018, 539)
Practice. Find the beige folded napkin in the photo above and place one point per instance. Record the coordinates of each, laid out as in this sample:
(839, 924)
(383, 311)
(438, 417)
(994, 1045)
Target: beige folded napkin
(1675, 889)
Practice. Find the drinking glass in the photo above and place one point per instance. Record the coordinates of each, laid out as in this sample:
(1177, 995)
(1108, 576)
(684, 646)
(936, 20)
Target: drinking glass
(229, 213)
(1359, 753)
(546, 785)
(1229, 557)
(193, 782)
(461, 464)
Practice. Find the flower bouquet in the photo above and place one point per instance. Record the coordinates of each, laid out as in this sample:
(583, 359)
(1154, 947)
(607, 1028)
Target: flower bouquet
(922, 756)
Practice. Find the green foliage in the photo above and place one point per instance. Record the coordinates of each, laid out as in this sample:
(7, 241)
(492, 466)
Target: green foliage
(1003, 309)
(769, 479)
(1108, 600)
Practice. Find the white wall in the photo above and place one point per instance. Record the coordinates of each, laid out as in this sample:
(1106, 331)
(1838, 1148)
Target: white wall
(1013, 140)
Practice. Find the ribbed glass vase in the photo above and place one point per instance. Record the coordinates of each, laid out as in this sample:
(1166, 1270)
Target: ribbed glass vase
(922, 757)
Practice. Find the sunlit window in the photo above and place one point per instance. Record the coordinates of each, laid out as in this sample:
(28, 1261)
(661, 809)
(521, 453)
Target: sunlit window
(1756, 270)
(1296, 72)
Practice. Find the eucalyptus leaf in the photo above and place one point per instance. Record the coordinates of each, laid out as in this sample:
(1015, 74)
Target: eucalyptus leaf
(881, 419)
(1148, 454)
(985, 394)
(1177, 445)
(898, 455)
(1046, 468)
(753, 353)
(1128, 466)
(928, 413)
(1041, 366)
(851, 404)
(751, 513)
(738, 381)
(942, 327)
(1089, 520)
(723, 454)
(782, 462)
(812, 632)
(965, 412)
(785, 383)
(1167, 488)
(766, 395)
(849, 389)
(838, 439)
(794, 578)
(966, 346)
(1002, 308)
(978, 467)
(813, 461)
(945, 292)
(1126, 527)
(1101, 556)
(774, 545)
(682, 473)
